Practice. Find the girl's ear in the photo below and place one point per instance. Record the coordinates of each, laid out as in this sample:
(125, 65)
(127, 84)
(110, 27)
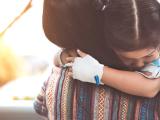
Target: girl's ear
(101, 4)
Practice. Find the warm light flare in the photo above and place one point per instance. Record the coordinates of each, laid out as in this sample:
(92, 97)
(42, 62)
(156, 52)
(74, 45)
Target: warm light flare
(9, 9)
(26, 39)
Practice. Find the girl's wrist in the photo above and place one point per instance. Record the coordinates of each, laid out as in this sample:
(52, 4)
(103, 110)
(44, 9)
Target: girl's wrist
(105, 69)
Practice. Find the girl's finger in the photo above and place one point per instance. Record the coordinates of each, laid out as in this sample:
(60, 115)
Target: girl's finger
(81, 54)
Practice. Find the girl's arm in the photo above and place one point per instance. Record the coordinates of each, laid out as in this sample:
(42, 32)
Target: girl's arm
(126, 81)
(130, 82)
(85, 68)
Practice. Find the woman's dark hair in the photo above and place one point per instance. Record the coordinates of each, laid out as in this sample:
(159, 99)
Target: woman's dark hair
(72, 23)
(132, 24)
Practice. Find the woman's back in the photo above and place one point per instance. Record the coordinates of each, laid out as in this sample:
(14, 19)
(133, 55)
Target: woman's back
(69, 99)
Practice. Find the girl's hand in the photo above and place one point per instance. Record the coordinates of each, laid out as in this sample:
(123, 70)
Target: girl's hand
(85, 68)
(61, 55)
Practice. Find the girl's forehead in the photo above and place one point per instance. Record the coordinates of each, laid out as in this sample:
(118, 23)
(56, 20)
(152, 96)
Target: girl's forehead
(137, 53)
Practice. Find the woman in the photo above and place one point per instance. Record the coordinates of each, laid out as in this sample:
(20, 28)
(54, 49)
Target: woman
(99, 28)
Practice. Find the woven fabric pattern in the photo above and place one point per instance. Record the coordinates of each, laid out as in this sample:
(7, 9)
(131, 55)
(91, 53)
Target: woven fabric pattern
(68, 99)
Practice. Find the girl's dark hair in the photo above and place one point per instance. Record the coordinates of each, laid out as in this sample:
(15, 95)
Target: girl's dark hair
(132, 24)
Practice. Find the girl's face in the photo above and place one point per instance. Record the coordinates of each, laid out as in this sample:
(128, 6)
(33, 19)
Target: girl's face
(137, 59)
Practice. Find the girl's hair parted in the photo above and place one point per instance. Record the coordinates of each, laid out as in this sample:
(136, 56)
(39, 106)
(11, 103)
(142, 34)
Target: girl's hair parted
(132, 24)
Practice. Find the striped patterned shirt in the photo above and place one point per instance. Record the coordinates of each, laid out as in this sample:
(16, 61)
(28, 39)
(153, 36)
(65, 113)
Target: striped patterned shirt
(63, 98)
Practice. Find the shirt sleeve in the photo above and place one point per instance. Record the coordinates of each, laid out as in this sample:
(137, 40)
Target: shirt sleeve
(40, 101)
(150, 71)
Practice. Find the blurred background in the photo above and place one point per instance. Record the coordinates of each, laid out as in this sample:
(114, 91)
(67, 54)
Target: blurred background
(26, 58)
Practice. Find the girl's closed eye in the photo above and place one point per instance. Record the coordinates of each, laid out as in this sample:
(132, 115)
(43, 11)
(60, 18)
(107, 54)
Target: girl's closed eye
(149, 58)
